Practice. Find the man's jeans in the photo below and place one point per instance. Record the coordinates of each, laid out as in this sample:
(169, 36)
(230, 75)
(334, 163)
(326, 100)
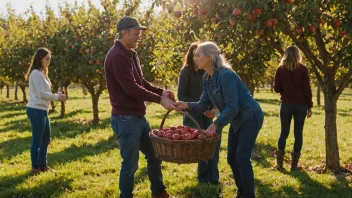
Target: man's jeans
(40, 136)
(133, 136)
(299, 113)
(240, 146)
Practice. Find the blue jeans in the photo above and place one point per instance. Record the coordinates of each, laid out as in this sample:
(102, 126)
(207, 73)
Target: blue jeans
(207, 171)
(40, 136)
(240, 146)
(133, 136)
(299, 113)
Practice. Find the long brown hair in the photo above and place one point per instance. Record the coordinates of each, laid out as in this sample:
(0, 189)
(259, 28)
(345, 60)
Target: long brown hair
(188, 60)
(291, 59)
(37, 62)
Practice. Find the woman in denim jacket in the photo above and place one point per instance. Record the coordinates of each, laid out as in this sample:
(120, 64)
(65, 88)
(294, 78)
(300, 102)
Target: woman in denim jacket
(223, 88)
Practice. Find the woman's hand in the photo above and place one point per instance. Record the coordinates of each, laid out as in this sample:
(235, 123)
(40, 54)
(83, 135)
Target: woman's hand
(309, 112)
(62, 97)
(180, 105)
(210, 114)
(211, 128)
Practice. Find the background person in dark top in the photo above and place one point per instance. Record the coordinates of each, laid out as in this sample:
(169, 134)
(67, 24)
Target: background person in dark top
(190, 88)
(292, 82)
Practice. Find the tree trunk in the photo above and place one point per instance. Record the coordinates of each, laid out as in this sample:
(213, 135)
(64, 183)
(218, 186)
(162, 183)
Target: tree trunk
(332, 149)
(318, 95)
(7, 91)
(63, 104)
(95, 100)
(16, 95)
(23, 89)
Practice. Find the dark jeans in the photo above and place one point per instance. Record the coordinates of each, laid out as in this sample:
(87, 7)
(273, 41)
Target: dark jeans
(207, 171)
(240, 146)
(40, 136)
(133, 136)
(299, 113)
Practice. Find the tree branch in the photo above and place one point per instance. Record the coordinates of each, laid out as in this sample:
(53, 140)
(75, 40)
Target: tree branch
(345, 81)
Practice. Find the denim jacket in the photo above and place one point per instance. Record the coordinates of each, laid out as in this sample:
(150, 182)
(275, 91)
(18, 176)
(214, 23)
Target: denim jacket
(225, 90)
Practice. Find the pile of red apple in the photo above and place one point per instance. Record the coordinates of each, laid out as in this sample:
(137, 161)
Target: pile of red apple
(183, 133)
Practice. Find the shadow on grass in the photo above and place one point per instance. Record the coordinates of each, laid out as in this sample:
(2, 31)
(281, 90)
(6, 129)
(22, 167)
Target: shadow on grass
(268, 101)
(75, 152)
(21, 125)
(60, 130)
(262, 153)
(202, 191)
(47, 188)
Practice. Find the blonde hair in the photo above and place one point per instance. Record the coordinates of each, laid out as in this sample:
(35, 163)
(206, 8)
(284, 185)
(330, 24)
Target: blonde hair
(211, 50)
(291, 59)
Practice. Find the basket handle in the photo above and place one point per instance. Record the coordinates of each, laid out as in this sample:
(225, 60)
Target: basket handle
(182, 112)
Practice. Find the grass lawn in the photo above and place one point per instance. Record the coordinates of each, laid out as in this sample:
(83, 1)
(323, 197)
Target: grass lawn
(87, 157)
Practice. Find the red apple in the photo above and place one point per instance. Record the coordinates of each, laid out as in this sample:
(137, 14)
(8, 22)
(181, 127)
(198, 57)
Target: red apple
(203, 12)
(337, 23)
(299, 30)
(312, 28)
(213, 20)
(268, 24)
(288, 1)
(232, 22)
(204, 17)
(189, 136)
(236, 11)
(257, 11)
(91, 61)
(343, 33)
(155, 132)
(176, 136)
(161, 133)
(178, 14)
(274, 21)
(172, 128)
(169, 136)
(195, 11)
(251, 17)
(97, 62)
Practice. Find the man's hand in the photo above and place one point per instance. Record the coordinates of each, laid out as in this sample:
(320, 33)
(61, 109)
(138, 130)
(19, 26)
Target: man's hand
(180, 105)
(167, 103)
(169, 94)
(211, 128)
(309, 112)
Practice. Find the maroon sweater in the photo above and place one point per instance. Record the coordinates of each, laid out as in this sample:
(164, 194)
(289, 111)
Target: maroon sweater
(293, 86)
(127, 87)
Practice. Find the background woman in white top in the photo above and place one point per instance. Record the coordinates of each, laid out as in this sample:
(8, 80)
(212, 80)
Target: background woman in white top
(37, 108)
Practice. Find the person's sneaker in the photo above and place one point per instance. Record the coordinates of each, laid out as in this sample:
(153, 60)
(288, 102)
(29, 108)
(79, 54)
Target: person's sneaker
(47, 168)
(163, 194)
(35, 171)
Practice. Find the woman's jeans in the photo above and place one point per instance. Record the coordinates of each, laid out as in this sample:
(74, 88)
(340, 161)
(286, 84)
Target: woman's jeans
(240, 146)
(299, 113)
(133, 136)
(207, 171)
(40, 136)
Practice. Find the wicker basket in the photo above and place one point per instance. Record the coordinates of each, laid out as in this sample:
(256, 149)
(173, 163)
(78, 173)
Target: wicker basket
(183, 151)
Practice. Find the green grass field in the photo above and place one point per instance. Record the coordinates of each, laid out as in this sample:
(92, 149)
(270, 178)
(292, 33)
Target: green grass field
(87, 157)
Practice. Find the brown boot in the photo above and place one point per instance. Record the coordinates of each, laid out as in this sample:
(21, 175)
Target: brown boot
(279, 158)
(163, 194)
(294, 162)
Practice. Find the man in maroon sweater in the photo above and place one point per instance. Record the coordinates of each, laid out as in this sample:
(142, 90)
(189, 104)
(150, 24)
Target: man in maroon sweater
(128, 92)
